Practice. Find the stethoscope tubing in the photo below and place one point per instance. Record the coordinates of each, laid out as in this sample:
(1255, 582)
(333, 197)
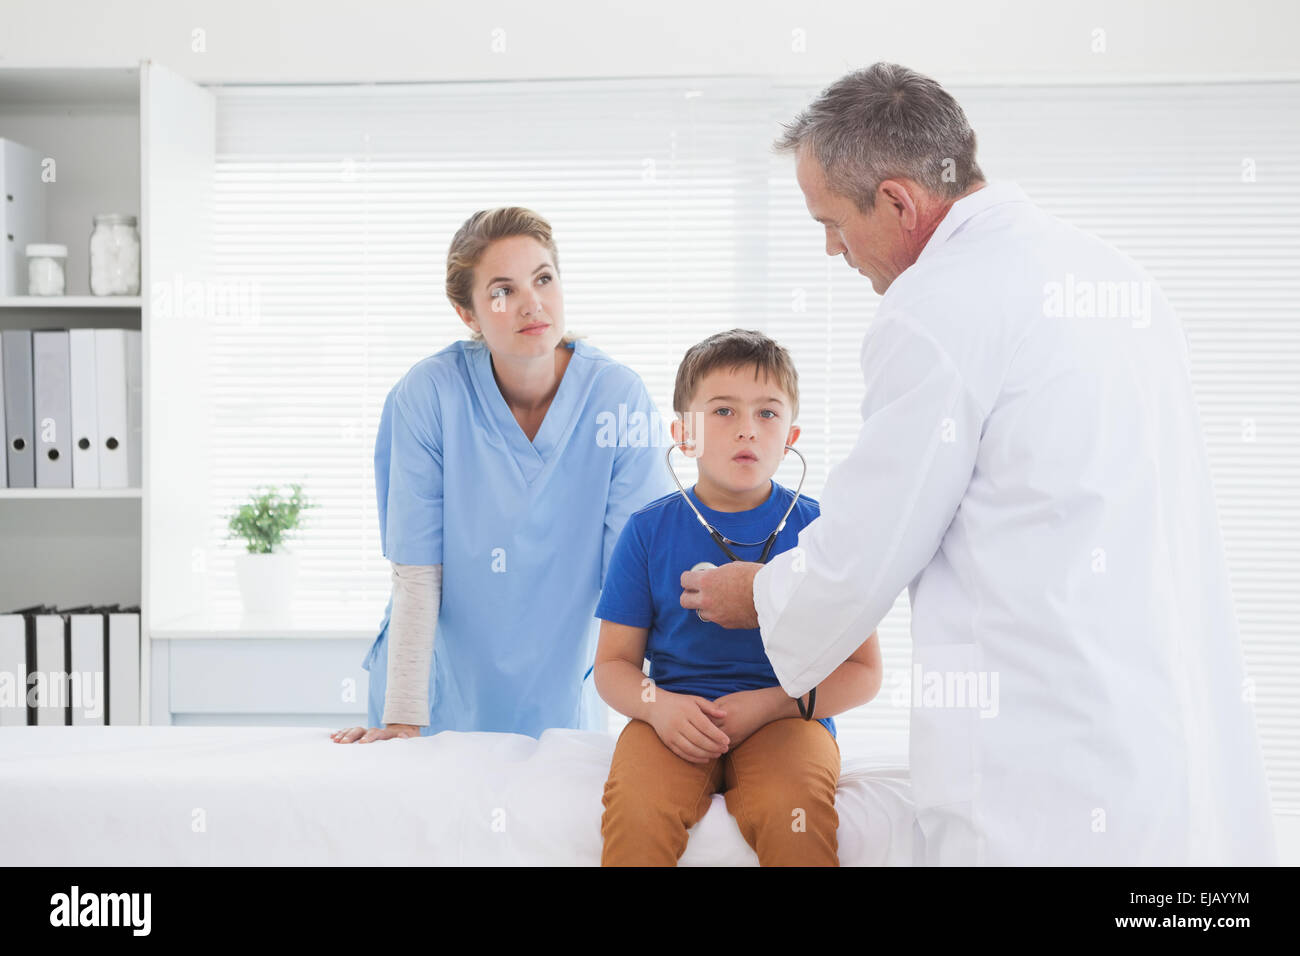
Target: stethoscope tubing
(716, 535)
(806, 712)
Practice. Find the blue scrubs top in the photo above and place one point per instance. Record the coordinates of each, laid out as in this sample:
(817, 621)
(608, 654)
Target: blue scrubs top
(524, 530)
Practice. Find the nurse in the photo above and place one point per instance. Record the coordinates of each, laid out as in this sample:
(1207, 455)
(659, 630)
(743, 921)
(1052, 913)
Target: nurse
(503, 479)
(1033, 472)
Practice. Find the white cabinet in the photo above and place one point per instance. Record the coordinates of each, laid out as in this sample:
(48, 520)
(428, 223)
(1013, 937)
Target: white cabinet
(302, 669)
(138, 140)
(230, 681)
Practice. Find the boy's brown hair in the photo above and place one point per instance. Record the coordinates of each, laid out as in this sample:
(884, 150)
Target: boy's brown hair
(732, 350)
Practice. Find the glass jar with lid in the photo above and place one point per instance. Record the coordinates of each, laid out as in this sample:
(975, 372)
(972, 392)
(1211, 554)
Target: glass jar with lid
(114, 255)
(45, 268)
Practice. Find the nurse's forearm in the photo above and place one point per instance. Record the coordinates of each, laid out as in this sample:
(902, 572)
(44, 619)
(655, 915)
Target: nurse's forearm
(624, 687)
(417, 596)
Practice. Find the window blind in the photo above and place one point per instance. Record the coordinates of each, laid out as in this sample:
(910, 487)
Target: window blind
(335, 204)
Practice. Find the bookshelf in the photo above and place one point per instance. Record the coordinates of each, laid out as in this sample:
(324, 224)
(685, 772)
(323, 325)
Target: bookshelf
(140, 139)
(70, 302)
(114, 135)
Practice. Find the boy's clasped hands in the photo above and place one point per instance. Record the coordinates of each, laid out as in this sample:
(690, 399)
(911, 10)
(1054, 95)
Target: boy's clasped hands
(699, 730)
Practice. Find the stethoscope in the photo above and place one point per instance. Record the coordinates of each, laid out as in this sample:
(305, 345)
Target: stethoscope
(722, 541)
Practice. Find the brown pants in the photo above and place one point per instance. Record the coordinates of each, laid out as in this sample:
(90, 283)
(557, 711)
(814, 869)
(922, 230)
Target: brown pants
(779, 784)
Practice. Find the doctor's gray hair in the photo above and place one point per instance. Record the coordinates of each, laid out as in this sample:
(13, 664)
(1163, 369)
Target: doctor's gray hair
(886, 122)
(477, 233)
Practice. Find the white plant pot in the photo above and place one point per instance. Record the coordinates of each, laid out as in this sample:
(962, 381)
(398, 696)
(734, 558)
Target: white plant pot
(266, 581)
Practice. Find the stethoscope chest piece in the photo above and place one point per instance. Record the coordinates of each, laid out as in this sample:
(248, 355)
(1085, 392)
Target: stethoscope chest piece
(702, 566)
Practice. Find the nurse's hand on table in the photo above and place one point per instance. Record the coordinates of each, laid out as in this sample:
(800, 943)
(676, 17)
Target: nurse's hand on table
(359, 735)
(685, 723)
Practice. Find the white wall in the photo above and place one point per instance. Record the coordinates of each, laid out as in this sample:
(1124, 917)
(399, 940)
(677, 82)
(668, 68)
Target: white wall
(393, 40)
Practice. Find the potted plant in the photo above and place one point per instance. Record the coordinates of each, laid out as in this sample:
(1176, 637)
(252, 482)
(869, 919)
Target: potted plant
(266, 571)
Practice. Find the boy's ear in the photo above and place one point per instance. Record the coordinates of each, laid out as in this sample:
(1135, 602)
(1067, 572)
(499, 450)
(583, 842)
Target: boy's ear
(678, 429)
(793, 436)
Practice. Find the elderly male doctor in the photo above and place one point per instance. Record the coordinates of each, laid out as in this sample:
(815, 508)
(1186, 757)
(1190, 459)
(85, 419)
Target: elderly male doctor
(1031, 467)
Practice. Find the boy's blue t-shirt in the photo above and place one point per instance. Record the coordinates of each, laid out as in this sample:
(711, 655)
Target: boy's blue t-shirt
(643, 589)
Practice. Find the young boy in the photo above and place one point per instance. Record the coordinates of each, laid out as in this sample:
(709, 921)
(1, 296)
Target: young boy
(712, 717)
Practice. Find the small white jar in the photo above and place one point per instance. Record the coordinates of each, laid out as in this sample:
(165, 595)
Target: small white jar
(114, 256)
(46, 274)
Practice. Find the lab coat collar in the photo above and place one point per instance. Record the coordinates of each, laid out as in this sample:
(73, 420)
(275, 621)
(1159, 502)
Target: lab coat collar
(967, 207)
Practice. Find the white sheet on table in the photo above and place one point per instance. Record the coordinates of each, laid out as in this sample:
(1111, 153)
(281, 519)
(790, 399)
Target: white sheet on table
(89, 796)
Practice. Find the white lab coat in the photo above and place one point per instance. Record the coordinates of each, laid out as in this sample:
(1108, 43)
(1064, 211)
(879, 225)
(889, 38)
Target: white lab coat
(1031, 467)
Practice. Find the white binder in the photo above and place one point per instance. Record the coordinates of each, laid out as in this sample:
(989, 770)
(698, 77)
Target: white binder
(110, 383)
(86, 669)
(22, 212)
(18, 407)
(4, 441)
(53, 409)
(52, 667)
(134, 408)
(13, 670)
(123, 669)
(85, 413)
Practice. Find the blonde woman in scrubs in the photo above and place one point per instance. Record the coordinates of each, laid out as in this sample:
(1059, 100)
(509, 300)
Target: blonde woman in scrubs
(502, 488)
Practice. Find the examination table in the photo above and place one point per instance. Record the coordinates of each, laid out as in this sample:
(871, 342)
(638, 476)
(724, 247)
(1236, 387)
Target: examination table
(151, 796)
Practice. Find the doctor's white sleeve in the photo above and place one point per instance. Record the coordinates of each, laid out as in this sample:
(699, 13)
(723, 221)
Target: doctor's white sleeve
(417, 596)
(884, 509)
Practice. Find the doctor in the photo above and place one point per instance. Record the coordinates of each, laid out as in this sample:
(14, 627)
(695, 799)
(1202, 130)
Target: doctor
(1031, 467)
(505, 468)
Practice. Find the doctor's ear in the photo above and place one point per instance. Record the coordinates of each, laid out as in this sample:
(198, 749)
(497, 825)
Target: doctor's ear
(898, 198)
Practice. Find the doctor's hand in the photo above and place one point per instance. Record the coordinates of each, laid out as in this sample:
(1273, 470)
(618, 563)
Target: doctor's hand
(723, 595)
(688, 726)
(359, 735)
